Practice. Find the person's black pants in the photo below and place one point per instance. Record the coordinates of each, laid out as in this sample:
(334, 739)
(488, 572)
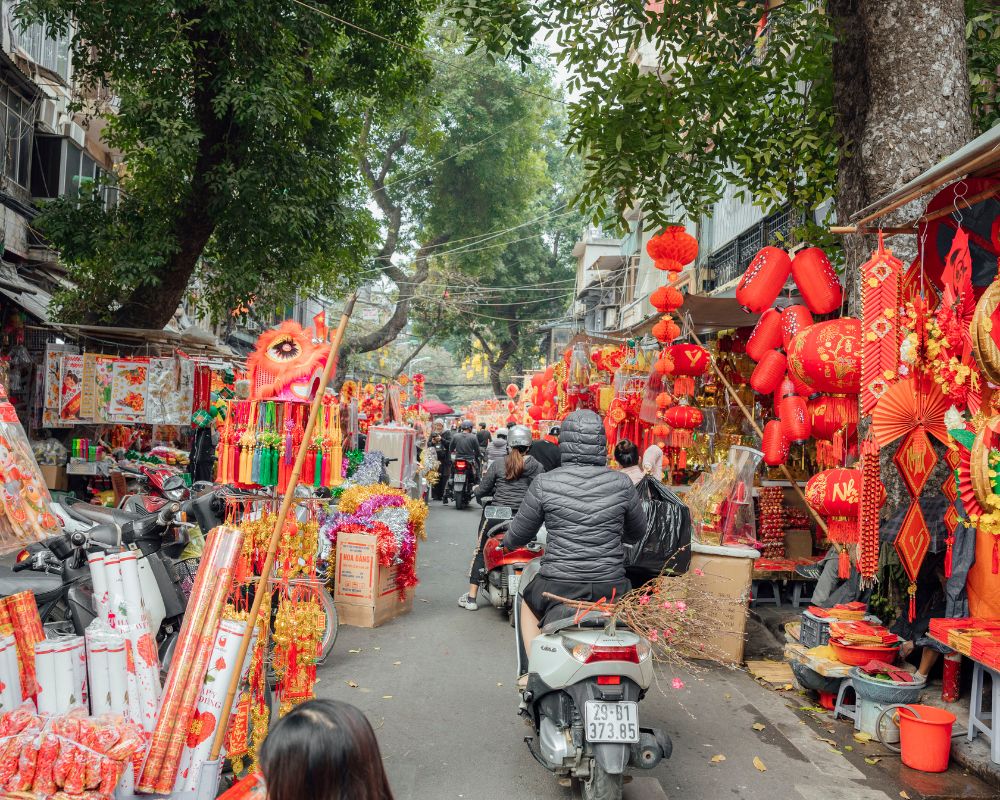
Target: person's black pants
(479, 557)
(444, 472)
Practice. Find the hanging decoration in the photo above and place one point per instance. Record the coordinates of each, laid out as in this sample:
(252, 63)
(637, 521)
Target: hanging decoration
(835, 494)
(775, 444)
(827, 356)
(763, 279)
(949, 488)
(794, 319)
(817, 280)
(766, 335)
(909, 404)
(880, 325)
(672, 249)
(833, 423)
(769, 372)
(872, 492)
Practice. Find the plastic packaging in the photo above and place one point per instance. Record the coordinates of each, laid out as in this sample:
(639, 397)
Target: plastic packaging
(666, 544)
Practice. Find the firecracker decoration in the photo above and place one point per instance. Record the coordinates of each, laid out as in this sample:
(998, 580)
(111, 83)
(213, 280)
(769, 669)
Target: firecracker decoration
(835, 494)
(817, 281)
(772, 522)
(879, 324)
(872, 494)
(949, 488)
(763, 279)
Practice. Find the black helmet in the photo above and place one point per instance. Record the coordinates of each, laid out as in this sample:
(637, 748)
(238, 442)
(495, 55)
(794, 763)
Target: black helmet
(554, 430)
(466, 424)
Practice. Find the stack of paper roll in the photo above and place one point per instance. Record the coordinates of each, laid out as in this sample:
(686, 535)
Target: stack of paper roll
(19, 615)
(120, 605)
(60, 674)
(10, 675)
(107, 665)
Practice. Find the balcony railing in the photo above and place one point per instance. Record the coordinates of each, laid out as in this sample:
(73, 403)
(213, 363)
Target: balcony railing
(730, 260)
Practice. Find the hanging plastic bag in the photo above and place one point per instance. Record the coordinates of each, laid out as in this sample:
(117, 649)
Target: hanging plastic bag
(666, 544)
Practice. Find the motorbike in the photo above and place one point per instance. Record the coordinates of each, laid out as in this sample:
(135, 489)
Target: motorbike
(460, 482)
(503, 567)
(586, 677)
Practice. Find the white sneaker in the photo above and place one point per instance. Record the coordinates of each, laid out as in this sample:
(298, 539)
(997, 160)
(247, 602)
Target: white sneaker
(468, 603)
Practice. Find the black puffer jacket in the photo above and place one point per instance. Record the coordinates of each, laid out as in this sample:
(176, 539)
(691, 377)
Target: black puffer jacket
(585, 507)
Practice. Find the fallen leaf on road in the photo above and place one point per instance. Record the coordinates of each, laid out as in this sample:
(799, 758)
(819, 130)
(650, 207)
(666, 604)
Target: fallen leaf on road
(353, 651)
(422, 600)
(757, 726)
(718, 759)
(872, 760)
(862, 737)
(376, 648)
(904, 795)
(396, 663)
(759, 764)
(830, 742)
(352, 684)
(387, 697)
(848, 748)
(788, 687)
(499, 684)
(727, 696)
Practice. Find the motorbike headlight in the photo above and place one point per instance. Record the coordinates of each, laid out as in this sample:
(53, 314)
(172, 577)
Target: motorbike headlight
(176, 495)
(643, 648)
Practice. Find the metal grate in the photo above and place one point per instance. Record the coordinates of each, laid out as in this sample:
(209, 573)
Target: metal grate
(726, 263)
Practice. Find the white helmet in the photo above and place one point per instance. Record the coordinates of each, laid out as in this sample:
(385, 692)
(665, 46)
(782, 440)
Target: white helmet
(520, 436)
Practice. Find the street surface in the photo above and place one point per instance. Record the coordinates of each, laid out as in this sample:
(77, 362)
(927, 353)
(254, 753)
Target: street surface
(438, 686)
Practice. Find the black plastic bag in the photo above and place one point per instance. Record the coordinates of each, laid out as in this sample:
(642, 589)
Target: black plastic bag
(666, 544)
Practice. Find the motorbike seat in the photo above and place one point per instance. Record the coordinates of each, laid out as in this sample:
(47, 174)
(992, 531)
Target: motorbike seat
(44, 586)
(101, 515)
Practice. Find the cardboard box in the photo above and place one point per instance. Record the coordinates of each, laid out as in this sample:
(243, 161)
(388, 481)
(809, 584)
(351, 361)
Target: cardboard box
(798, 544)
(364, 591)
(54, 477)
(729, 577)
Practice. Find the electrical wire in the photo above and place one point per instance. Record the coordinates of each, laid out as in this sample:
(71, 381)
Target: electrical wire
(421, 52)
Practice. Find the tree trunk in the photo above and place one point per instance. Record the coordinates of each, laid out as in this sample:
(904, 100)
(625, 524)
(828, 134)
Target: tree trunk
(901, 92)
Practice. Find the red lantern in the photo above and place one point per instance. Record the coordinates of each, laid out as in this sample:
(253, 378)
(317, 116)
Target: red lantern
(769, 373)
(794, 415)
(660, 433)
(664, 364)
(832, 414)
(689, 359)
(537, 380)
(666, 299)
(512, 390)
(684, 417)
(801, 388)
(775, 445)
(535, 412)
(666, 330)
(763, 280)
(664, 400)
(817, 281)
(827, 356)
(835, 494)
(793, 320)
(672, 249)
(766, 335)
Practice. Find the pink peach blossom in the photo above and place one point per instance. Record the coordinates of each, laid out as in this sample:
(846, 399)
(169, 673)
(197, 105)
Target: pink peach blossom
(677, 683)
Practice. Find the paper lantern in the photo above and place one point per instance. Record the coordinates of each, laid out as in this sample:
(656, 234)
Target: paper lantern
(775, 444)
(794, 415)
(666, 299)
(831, 414)
(685, 417)
(537, 380)
(817, 280)
(672, 249)
(664, 400)
(666, 330)
(793, 320)
(835, 494)
(827, 356)
(801, 388)
(766, 335)
(689, 359)
(660, 433)
(535, 412)
(763, 280)
(769, 372)
(664, 364)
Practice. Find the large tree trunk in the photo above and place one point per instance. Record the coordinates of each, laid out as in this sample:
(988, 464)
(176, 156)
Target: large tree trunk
(901, 91)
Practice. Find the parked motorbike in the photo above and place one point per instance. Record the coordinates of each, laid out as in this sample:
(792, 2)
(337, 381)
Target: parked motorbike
(154, 487)
(585, 680)
(460, 482)
(503, 567)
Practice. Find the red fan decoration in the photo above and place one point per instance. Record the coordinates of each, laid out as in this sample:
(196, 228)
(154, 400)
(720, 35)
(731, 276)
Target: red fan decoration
(827, 356)
(766, 335)
(775, 445)
(872, 492)
(763, 280)
(817, 280)
(879, 324)
(793, 320)
(910, 404)
(769, 372)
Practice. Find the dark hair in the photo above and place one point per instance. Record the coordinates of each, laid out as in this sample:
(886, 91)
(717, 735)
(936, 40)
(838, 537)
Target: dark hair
(323, 750)
(626, 454)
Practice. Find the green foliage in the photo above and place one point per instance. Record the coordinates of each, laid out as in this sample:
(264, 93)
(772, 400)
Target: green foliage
(982, 30)
(238, 122)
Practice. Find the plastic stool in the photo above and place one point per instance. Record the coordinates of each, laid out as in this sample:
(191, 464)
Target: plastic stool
(842, 709)
(773, 600)
(797, 597)
(981, 721)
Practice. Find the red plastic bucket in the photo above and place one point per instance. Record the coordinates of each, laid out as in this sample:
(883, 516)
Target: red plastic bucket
(925, 737)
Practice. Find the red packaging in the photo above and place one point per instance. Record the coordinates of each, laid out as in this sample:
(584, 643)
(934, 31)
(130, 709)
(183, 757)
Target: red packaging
(44, 784)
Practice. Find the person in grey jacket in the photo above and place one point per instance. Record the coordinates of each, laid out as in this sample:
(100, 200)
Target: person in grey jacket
(496, 450)
(507, 480)
(586, 509)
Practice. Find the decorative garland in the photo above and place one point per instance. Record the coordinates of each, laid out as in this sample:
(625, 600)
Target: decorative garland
(868, 520)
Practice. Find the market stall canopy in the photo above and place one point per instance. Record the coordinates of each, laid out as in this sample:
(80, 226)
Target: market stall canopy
(715, 313)
(433, 407)
(194, 339)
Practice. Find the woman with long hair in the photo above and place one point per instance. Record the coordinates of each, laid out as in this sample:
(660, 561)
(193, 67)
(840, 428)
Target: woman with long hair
(323, 750)
(507, 480)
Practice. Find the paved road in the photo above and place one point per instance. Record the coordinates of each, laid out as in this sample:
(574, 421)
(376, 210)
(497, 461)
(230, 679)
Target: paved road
(438, 686)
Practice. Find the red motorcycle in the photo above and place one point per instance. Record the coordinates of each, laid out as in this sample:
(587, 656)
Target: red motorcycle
(504, 567)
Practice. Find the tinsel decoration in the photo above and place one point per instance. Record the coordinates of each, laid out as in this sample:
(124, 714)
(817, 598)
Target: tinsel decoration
(879, 325)
(369, 471)
(872, 493)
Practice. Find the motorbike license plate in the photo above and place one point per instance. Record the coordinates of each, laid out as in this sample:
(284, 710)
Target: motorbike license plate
(612, 722)
(497, 512)
(459, 478)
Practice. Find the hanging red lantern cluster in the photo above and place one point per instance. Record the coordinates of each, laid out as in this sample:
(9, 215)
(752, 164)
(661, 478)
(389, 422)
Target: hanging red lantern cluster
(811, 270)
(817, 280)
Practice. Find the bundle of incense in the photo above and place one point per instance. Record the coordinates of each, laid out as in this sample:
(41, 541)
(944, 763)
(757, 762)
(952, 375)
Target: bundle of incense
(187, 672)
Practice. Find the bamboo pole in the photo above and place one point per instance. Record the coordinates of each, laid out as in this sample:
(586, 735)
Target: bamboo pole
(749, 417)
(911, 230)
(279, 523)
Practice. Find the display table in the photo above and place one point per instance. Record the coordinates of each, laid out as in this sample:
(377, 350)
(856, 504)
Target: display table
(827, 667)
(773, 572)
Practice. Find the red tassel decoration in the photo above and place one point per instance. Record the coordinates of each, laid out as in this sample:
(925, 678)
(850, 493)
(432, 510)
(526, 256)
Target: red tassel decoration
(844, 564)
(949, 544)
(913, 601)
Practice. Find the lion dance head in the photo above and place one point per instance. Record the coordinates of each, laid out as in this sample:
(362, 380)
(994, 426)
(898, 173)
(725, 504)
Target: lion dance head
(286, 364)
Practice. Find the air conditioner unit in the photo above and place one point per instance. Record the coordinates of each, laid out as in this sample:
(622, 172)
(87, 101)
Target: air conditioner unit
(608, 299)
(48, 116)
(75, 132)
(610, 319)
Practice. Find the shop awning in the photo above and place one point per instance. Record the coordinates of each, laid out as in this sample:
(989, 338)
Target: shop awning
(981, 156)
(194, 339)
(715, 313)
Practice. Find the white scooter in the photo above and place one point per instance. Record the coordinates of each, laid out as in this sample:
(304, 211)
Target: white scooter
(585, 681)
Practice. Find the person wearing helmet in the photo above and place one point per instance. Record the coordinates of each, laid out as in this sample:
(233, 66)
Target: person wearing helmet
(546, 451)
(507, 480)
(465, 445)
(497, 449)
